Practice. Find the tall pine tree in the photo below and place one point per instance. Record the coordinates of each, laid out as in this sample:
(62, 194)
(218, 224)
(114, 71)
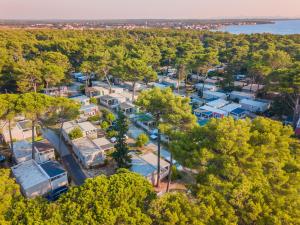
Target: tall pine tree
(120, 155)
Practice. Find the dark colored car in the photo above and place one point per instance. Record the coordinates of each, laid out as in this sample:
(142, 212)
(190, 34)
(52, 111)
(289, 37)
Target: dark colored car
(2, 158)
(55, 194)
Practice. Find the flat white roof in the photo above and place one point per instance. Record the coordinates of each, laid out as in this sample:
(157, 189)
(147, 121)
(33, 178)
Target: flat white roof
(230, 107)
(103, 143)
(214, 93)
(217, 103)
(86, 146)
(240, 93)
(207, 86)
(214, 110)
(69, 126)
(22, 149)
(29, 174)
(87, 126)
(146, 164)
(253, 102)
(152, 159)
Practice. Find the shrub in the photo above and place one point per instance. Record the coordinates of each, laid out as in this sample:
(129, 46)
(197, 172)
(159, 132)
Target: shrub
(141, 140)
(104, 125)
(93, 101)
(112, 133)
(175, 173)
(75, 133)
(94, 118)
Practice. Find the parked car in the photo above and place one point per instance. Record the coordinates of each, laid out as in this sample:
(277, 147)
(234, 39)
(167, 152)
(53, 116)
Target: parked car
(55, 194)
(2, 158)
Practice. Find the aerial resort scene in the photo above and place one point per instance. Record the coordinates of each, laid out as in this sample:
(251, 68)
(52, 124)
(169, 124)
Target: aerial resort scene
(148, 112)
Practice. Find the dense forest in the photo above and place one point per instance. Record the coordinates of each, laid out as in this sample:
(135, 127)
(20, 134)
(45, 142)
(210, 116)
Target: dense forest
(245, 172)
(31, 60)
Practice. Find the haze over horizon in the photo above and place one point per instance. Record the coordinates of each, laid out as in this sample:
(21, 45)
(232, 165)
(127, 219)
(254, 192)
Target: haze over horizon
(147, 9)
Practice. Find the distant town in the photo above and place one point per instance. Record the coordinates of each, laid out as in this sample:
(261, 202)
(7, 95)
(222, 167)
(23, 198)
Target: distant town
(130, 24)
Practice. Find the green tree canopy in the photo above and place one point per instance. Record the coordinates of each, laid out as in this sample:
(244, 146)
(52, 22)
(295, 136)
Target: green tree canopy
(247, 171)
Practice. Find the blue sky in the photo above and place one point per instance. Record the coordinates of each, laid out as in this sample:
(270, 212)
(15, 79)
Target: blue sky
(128, 9)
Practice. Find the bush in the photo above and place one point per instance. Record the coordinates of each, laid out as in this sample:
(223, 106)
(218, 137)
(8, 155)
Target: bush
(75, 133)
(104, 125)
(141, 140)
(112, 133)
(94, 118)
(93, 101)
(175, 173)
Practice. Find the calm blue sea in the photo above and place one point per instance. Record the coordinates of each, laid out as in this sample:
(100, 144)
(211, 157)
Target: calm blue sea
(279, 27)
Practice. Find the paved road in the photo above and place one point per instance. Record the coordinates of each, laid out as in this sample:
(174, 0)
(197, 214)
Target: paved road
(68, 159)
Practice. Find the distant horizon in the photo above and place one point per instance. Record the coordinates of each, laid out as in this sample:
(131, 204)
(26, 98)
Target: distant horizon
(147, 9)
(166, 19)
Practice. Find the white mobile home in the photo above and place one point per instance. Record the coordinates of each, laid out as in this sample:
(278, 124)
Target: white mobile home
(206, 87)
(254, 106)
(241, 95)
(44, 151)
(21, 131)
(219, 103)
(146, 165)
(22, 151)
(230, 107)
(88, 153)
(81, 99)
(33, 181)
(214, 95)
(37, 180)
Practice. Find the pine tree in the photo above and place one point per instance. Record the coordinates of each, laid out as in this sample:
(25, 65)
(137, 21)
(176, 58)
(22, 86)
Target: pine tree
(121, 153)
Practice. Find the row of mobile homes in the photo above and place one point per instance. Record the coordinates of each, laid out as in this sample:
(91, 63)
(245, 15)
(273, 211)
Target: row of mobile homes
(146, 165)
(39, 179)
(254, 105)
(238, 95)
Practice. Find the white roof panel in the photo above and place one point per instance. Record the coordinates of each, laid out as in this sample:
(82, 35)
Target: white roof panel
(28, 174)
(217, 103)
